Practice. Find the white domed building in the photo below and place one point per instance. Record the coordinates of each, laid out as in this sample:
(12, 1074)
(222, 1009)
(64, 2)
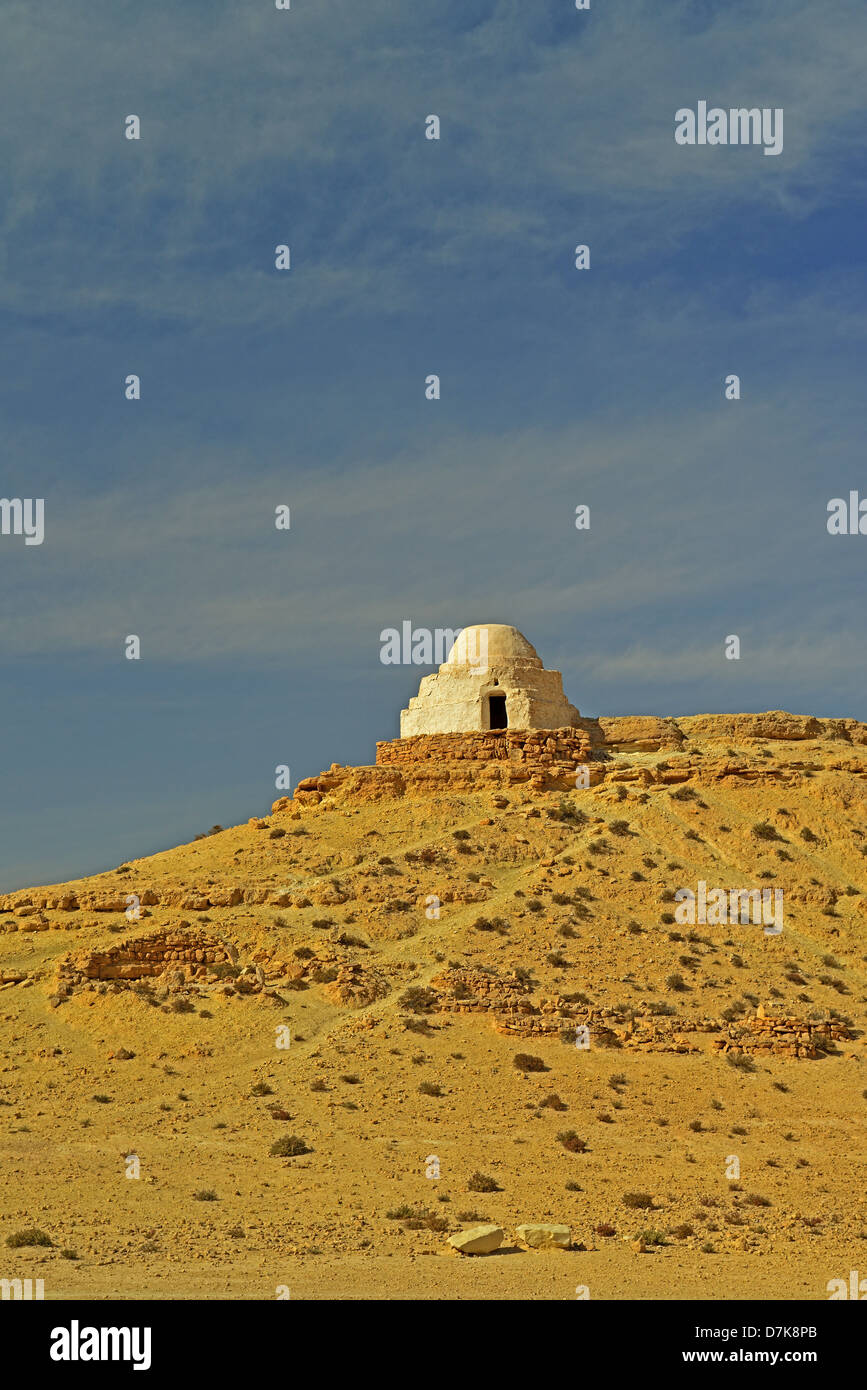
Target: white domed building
(492, 679)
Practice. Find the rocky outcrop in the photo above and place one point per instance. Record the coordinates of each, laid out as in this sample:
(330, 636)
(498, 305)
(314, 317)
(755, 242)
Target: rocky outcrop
(544, 760)
(144, 957)
(643, 733)
(735, 728)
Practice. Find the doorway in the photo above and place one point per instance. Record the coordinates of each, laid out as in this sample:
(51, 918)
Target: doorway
(497, 717)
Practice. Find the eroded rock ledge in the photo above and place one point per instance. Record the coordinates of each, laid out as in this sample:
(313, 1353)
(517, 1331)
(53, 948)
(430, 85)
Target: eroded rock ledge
(548, 759)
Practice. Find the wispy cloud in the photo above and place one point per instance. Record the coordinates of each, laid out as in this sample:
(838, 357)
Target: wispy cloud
(245, 143)
(441, 535)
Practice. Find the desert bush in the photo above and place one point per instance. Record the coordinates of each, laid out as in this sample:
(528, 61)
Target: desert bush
(481, 1182)
(740, 1060)
(399, 1213)
(652, 1237)
(30, 1235)
(763, 830)
(525, 1061)
(419, 1219)
(553, 1102)
(289, 1146)
(418, 999)
(571, 1141)
(566, 812)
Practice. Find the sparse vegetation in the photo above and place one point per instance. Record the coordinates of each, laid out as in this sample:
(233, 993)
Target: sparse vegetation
(30, 1235)
(763, 830)
(553, 1102)
(742, 1061)
(289, 1146)
(418, 999)
(481, 1182)
(525, 1061)
(571, 1141)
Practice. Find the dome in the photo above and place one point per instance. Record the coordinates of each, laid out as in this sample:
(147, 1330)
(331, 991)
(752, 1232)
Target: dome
(492, 680)
(502, 643)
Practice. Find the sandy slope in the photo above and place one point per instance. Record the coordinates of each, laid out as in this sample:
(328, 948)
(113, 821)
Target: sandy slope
(581, 906)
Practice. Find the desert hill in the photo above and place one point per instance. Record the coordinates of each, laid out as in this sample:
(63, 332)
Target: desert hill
(392, 972)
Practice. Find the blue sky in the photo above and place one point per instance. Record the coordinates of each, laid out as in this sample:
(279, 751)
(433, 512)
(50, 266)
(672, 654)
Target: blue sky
(410, 257)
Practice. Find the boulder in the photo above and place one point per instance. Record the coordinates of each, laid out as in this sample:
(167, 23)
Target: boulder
(478, 1240)
(544, 1236)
